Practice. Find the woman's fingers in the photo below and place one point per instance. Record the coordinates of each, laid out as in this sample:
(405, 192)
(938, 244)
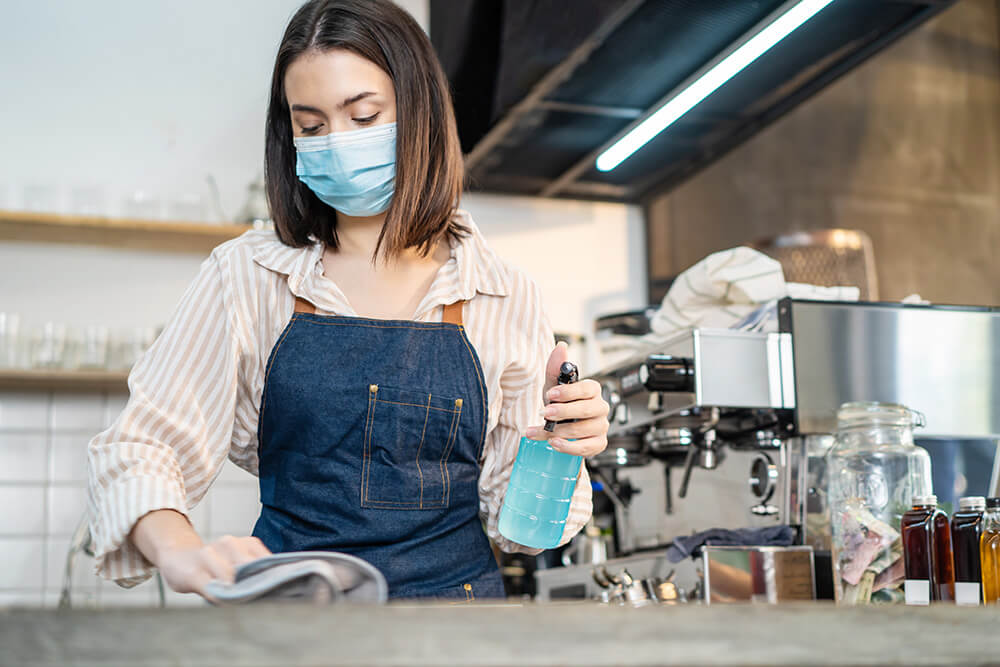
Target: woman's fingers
(218, 565)
(585, 428)
(574, 392)
(237, 550)
(585, 447)
(257, 548)
(579, 409)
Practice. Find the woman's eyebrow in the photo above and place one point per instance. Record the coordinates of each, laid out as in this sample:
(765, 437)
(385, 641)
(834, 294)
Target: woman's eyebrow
(305, 107)
(346, 103)
(351, 100)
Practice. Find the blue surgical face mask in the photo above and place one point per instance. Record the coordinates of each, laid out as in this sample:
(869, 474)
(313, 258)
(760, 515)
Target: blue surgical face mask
(352, 172)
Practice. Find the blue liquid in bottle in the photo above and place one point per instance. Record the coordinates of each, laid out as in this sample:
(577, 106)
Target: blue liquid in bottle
(539, 494)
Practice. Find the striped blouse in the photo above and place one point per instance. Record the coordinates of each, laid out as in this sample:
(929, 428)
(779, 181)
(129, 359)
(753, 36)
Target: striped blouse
(195, 394)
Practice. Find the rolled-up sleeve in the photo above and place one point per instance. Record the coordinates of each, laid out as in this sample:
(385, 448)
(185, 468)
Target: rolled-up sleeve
(174, 434)
(521, 384)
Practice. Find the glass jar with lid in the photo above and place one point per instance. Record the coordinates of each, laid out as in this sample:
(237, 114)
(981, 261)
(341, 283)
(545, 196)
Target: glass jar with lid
(874, 470)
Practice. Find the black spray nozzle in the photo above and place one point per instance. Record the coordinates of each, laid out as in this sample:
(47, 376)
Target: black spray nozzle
(568, 374)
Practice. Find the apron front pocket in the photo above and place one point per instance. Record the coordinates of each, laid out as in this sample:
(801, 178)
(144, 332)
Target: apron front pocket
(408, 438)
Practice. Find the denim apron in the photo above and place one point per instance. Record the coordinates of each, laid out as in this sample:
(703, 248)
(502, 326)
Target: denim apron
(371, 433)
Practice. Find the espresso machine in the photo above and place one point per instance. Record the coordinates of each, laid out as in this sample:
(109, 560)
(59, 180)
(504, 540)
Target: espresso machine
(719, 428)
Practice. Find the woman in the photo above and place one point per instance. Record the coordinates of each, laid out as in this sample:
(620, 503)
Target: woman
(373, 362)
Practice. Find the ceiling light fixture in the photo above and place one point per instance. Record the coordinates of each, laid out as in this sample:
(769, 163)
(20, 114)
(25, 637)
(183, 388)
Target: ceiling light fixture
(706, 84)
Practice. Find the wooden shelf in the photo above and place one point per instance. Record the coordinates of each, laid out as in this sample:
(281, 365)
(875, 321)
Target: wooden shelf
(161, 235)
(63, 380)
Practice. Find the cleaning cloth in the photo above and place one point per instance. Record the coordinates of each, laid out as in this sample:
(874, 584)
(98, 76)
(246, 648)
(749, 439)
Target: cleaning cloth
(769, 536)
(315, 577)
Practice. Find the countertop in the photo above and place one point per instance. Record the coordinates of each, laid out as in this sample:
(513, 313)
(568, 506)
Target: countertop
(555, 634)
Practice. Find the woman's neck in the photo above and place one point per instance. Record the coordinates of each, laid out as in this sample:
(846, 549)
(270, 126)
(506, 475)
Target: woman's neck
(358, 235)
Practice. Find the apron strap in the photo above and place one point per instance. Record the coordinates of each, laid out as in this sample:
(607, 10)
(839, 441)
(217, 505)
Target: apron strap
(303, 306)
(453, 313)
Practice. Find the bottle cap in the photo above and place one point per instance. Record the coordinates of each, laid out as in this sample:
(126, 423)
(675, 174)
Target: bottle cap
(993, 502)
(972, 503)
(924, 500)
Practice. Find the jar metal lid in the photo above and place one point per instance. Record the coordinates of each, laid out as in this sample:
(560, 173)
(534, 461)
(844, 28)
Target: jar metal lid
(924, 500)
(972, 502)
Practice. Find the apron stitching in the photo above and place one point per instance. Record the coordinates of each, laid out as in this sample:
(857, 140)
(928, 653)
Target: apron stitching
(417, 405)
(445, 474)
(482, 385)
(365, 459)
(400, 503)
(423, 433)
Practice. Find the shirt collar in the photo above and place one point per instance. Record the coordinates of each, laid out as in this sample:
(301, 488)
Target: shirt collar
(473, 268)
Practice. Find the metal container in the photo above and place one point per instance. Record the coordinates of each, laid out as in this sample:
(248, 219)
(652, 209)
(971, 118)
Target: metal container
(758, 574)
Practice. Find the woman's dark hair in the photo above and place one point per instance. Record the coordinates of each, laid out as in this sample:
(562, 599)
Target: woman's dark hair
(429, 167)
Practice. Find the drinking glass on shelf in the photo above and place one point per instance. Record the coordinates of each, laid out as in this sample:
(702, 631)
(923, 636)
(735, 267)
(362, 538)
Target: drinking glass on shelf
(88, 200)
(143, 205)
(41, 198)
(10, 340)
(93, 350)
(187, 207)
(129, 345)
(48, 348)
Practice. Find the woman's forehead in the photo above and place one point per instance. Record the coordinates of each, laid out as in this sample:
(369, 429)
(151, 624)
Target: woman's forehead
(333, 76)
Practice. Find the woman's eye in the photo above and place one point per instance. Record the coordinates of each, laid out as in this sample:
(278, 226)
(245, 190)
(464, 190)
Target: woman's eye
(365, 121)
(311, 130)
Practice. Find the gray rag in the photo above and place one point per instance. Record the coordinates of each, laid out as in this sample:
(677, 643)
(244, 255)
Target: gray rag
(771, 536)
(313, 577)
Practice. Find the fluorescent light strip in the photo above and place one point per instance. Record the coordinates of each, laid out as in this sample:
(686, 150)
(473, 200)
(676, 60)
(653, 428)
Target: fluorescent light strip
(709, 82)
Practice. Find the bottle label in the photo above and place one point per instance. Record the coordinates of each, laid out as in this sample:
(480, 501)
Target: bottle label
(918, 591)
(968, 593)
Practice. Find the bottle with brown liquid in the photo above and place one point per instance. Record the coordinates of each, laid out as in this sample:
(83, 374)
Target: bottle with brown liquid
(966, 529)
(927, 556)
(944, 568)
(989, 551)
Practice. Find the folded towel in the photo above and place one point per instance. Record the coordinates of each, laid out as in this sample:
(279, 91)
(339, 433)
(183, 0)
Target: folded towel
(770, 536)
(727, 290)
(315, 577)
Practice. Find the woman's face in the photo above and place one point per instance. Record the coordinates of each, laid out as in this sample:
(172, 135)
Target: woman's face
(337, 91)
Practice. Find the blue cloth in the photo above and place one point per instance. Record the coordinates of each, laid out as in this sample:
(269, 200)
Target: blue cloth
(370, 433)
(770, 536)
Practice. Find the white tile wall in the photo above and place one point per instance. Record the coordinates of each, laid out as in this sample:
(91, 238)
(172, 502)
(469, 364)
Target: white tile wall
(68, 456)
(24, 411)
(43, 494)
(233, 509)
(23, 457)
(67, 505)
(78, 412)
(23, 564)
(23, 510)
(232, 473)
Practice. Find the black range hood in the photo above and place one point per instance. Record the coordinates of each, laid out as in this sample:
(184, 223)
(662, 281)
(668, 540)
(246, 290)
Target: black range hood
(541, 87)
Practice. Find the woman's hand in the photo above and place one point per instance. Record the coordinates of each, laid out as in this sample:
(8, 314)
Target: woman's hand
(580, 401)
(187, 564)
(189, 569)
